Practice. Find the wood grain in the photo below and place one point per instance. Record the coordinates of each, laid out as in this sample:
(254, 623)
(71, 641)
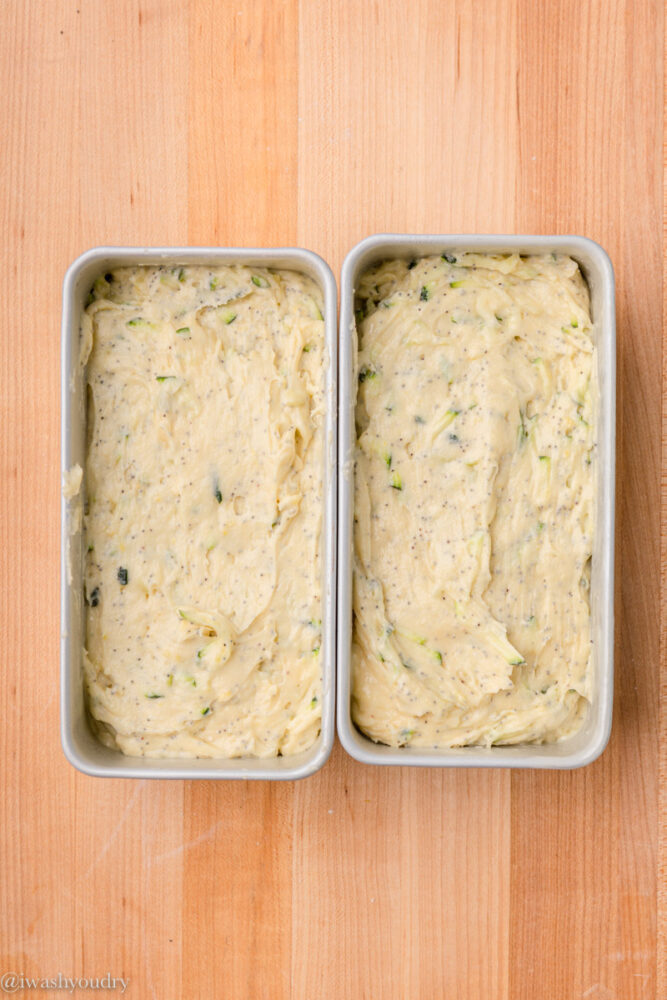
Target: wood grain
(584, 844)
(317, 123)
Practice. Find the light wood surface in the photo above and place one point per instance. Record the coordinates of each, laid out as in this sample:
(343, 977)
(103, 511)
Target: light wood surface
(316, 123)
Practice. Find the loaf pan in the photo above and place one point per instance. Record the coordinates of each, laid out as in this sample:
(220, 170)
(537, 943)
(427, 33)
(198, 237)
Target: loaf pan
(81, 746)
(589, 742)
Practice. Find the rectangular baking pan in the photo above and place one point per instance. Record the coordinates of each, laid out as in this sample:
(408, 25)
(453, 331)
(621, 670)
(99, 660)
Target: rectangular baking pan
(590, 741)
(81, 746)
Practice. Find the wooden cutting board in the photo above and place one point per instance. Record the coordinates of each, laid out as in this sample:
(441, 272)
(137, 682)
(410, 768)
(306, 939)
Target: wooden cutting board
(317, 123)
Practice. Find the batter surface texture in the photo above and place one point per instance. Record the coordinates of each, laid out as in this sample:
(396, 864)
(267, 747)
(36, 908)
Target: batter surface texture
(474, 501)
(204, 510)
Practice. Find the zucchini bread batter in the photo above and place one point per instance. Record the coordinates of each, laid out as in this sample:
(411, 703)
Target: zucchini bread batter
(203, 510)
(474, 510)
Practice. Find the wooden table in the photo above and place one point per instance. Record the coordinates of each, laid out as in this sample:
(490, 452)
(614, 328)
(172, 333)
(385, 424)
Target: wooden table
(316, 123)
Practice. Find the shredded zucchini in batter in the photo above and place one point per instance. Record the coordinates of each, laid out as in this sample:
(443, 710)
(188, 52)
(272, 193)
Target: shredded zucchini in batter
(203, 510)
(474, 511)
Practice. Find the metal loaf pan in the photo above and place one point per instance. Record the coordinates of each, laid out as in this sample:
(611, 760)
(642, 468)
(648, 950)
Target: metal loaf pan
(79, 743)
(596, 267)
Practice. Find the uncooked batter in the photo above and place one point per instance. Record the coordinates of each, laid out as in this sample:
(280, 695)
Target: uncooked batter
(474, 510)
(203, 510)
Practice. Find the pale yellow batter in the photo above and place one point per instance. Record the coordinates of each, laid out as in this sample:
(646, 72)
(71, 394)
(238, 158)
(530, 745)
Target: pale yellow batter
(203, 517)
(474, 509)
